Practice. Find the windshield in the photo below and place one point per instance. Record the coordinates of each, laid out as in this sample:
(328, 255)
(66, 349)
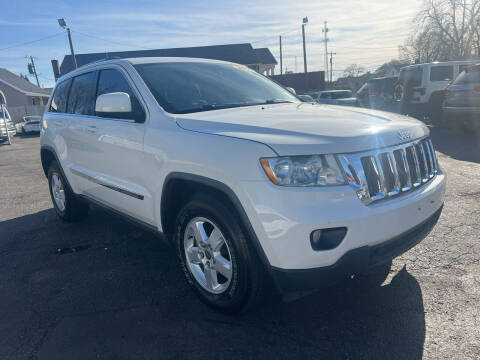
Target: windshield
(186, 87)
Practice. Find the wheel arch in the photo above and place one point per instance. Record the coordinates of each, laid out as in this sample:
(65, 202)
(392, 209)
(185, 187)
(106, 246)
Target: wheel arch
(47, 155)
(179, 187)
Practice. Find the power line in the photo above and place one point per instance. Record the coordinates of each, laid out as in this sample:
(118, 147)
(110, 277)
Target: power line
(29, 42)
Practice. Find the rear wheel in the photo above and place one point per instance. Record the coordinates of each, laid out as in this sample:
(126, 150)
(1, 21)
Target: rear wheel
(68, 206)
(217, 262)
(434, 108)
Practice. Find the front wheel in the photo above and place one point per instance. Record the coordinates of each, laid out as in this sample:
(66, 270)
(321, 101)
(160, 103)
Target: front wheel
(217, 262)
(376, 275)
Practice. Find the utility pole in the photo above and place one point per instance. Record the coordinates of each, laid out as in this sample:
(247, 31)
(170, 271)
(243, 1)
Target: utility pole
(31, 67)
(304, 23)
(281, 60)
(63, 24)
(325, 31)
(331, 66)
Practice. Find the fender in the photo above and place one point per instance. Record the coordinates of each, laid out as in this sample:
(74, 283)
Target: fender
(225, 190)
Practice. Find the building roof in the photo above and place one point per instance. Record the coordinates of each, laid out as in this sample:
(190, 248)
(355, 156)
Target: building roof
(22, 85)
(237, 53)
(264, 56)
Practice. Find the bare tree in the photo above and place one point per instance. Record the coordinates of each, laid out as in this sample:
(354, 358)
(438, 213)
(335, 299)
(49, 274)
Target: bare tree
(447, 30)
(353, 70)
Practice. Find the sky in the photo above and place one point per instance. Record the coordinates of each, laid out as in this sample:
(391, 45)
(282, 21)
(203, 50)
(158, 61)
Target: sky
(363, 32)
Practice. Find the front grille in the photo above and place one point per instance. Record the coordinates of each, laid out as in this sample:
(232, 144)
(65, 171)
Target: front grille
(388, 172)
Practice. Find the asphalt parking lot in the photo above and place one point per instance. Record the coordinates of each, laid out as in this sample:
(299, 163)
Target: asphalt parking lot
(121, 294)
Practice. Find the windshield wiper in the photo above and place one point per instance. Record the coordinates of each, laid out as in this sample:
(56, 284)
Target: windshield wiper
(208, 107)
(277, 101)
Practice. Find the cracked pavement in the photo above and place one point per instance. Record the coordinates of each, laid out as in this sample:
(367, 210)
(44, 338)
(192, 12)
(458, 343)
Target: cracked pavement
(118, 292)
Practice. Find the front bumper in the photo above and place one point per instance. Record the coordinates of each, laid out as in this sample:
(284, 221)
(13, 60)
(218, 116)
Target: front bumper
(355, 261)
(283, 219)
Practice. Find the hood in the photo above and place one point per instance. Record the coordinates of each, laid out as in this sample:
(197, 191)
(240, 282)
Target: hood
(305, 129)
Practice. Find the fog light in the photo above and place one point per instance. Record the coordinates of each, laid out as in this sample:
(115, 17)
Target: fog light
(327, 239)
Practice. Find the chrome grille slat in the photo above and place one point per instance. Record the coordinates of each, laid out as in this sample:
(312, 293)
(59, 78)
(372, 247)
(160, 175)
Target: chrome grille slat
(430, 166)
(396, 179)
(408, 183)
(422, 162)
(392, 171)
(434, 156)
(381, 178)
(418, 174)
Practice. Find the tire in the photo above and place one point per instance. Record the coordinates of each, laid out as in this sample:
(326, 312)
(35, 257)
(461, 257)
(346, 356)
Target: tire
(376, 275)
(72, 208)
(434, 108)
(244, 290)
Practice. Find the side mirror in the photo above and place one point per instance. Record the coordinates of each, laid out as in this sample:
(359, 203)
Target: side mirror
(113, 103)
(292, 90)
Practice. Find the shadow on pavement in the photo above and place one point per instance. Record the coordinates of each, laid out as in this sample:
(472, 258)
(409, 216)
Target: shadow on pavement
(120, 294)
(459, 145)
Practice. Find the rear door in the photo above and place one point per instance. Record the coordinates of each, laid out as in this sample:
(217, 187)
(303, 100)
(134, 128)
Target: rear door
(79, 122)
(57, 122)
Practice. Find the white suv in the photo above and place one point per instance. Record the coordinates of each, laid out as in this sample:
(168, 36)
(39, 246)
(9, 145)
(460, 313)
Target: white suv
(248, 182)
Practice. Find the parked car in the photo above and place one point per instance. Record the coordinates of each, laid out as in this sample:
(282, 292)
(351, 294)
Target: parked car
(337, 97)
(305, 98)
(420, 88)
(5, 119)
(31, 124)
(462, 99)
(377, 94)
(247, 184)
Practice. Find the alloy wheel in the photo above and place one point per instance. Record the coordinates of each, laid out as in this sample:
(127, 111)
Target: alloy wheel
(58, 191)
(208, 255)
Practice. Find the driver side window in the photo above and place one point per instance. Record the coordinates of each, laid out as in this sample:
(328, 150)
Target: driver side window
(111, 80)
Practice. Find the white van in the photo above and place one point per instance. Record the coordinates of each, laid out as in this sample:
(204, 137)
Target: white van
(419, 91)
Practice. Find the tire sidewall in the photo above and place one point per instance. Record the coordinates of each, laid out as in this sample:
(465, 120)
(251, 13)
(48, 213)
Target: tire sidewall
(221, 216)
(51, 171)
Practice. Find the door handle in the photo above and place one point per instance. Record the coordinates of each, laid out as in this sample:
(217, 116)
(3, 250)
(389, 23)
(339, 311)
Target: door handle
(92, 129)
(58, 123)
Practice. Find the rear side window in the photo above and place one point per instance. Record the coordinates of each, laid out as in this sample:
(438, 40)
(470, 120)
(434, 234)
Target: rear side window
(110, 81)
(470, 76)
(412, 75)
(441, 73)
(82, 95)
(59, 100)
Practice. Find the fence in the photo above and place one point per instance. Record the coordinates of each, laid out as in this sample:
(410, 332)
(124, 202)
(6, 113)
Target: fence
(18, 112)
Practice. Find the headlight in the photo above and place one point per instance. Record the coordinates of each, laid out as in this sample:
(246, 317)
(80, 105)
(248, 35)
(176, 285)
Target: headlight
(316, 170)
